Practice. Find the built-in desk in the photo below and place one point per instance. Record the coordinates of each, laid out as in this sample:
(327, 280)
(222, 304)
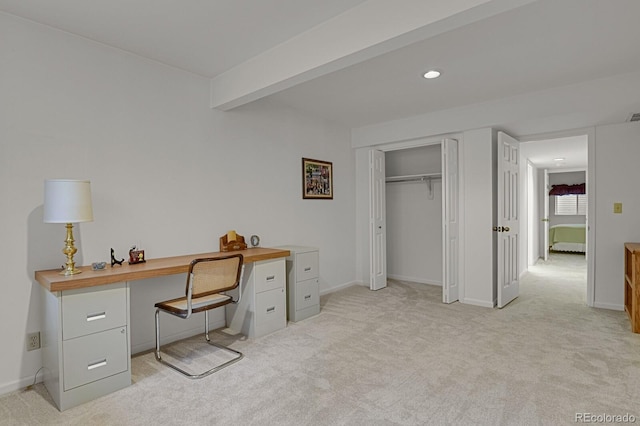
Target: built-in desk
(86, 333)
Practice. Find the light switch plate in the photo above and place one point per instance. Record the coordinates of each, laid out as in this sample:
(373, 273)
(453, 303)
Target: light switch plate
(617, 207)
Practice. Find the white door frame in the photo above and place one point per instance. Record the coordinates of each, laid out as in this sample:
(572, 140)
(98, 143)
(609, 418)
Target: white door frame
(450, 164)
(590, 133)
(545, 219)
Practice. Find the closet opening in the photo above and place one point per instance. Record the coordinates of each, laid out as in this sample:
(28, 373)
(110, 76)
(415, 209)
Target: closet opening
(414, 224)
(414, 214)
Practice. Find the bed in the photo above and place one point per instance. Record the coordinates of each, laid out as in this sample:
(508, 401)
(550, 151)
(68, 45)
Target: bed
(568, 237)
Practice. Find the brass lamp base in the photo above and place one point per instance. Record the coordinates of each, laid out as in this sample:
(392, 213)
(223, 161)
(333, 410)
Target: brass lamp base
(69, 249)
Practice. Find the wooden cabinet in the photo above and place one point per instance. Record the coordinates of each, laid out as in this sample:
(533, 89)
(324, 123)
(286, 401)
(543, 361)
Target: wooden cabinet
(262, 307)
(303, 294)
(86, 345)
(632, 284)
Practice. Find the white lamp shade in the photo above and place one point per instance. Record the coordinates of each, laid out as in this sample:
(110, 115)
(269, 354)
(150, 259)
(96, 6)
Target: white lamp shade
(67, 201)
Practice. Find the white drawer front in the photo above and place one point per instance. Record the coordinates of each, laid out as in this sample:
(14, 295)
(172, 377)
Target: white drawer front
(89, 311)
(269, 275)
(271, 312)
(306, 266)
(94, 357)
(307, 294)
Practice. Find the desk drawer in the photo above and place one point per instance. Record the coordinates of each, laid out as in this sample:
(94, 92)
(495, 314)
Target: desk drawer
(307, 294)
(94, 357)
(269, 275)
(92, 310)
(307, 265)
(271, 313)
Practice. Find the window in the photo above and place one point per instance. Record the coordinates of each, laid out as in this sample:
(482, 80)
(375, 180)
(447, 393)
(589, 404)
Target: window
(571, 205)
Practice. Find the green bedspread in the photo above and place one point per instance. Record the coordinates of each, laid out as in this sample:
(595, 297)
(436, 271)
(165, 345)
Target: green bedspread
(567, 234)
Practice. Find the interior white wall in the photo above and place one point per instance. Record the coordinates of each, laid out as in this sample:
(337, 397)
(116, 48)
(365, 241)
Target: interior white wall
(529, 218)
(478, 185)
(542, 193)
(566, 178)
(168, 174)
(616, 156)
(414, 217)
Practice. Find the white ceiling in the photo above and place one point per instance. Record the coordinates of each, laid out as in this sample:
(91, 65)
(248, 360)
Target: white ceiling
(542, 45)
(543, 154)
(203, 37)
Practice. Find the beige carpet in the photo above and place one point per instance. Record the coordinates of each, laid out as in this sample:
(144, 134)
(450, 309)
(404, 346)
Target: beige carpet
(395, 356)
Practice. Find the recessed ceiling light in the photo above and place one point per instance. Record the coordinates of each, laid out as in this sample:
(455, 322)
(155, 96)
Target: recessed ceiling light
(431, 74)
(559, 159)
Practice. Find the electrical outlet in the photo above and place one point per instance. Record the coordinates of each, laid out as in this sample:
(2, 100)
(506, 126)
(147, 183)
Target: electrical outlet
(33, 341)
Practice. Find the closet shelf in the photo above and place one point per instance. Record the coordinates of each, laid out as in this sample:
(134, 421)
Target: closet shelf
(413, 178)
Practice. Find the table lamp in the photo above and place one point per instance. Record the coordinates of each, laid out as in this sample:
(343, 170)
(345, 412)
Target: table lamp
(68, 201)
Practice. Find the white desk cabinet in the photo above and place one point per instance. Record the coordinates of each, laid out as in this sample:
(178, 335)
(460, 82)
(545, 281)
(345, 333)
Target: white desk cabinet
(262, 308)
(86, 345)
(303, 294)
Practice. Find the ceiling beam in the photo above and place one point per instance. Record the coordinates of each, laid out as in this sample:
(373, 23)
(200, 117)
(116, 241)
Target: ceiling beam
(368, 30)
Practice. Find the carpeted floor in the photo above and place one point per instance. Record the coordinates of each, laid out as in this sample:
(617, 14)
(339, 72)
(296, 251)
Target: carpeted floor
(395, 356)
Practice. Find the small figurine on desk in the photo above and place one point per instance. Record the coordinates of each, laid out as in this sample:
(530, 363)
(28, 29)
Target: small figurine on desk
(114, 260)
(136, 256)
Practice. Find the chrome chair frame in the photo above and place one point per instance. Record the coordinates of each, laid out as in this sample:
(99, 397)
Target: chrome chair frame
(190, 310)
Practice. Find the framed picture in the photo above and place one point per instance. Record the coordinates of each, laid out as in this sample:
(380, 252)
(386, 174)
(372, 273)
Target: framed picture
(317, 179)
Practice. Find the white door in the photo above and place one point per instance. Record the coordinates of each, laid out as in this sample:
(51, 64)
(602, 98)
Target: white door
(450, 222)
(545, 219)
(508, 226)
(377, 221)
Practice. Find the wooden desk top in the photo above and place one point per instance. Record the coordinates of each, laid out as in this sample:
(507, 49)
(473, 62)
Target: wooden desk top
(53, 281)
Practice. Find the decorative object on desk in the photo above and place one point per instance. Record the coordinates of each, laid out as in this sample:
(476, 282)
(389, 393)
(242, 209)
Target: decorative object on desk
(317, 179)
(255, 241)
(232, 241)
(68, 201)
(114, 260)
(98, 266)
(136, 256)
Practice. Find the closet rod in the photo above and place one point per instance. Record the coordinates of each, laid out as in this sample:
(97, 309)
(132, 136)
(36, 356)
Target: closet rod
(414, 178)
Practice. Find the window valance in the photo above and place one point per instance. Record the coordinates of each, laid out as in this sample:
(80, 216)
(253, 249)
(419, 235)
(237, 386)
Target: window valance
(576, 189)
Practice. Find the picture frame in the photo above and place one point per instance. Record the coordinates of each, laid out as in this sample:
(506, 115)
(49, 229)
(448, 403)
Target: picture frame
(317, 179)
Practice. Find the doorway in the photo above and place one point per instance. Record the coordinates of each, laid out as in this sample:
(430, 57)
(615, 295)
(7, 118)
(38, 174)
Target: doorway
(559, 222)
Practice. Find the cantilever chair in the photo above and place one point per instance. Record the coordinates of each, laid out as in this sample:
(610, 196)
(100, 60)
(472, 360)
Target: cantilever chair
(207, 280)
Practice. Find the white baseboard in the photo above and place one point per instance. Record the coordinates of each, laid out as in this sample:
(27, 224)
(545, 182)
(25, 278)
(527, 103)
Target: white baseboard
(341, 286)
(415, 280)
(476, 302)
(20, 384)
(611, 306)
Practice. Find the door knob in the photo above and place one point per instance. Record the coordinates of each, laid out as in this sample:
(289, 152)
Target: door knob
(505, 229)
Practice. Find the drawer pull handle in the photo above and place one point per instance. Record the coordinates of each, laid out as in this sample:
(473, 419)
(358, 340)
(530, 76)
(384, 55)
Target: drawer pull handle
(97, 364)
(307, 297)
(307, 269)
(271, 309)
(98, 316)
(271, 277)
